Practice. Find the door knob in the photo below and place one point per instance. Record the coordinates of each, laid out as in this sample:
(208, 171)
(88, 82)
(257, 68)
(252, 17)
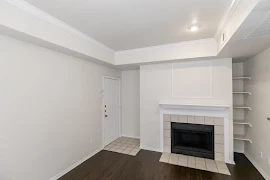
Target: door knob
(106, 115)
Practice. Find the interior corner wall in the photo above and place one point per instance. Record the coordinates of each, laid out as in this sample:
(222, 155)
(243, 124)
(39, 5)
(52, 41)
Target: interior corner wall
(156, 86)
(258, 68)
(50, 115)
(131, 103)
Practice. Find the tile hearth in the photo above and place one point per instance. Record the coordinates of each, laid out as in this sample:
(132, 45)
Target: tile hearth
(124, 145)
(195, 163)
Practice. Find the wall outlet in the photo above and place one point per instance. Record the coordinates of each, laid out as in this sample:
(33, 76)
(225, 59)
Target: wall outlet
(91, 140)
(261, 154)
(269, 161)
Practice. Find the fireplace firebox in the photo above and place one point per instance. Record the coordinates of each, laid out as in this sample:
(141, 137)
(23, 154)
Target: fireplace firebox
(192, 139)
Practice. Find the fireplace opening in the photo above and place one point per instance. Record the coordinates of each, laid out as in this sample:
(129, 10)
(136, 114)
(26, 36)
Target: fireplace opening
(192, 139)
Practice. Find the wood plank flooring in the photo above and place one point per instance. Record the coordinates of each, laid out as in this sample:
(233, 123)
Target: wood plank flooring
(146, 166)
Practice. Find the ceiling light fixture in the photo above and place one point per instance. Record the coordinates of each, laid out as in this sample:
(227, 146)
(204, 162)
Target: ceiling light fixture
(194, 28)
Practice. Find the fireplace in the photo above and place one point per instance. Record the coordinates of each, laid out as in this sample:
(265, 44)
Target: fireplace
(192, 139)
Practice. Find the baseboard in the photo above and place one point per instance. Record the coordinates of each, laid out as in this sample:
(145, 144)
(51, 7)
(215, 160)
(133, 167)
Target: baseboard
(149, 149)
(123, 135)
(266, 177)
(56, 177)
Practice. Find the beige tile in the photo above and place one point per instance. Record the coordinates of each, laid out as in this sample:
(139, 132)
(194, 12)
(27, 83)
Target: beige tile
(219, 148)
(221, 165)
(219, 121)
(182, 119)
(209, 121)
(126, 151)
(167, 125)
(219, 156)
(191, 119)
(210, 161)
(107, 148)
(136, 149)
(175, 156)
(199, 160)
(191, 164)
(224, 171)
(191, 158)
(123, 148)
(167, 149)
(173, 160)
(199, 119)
(167, 141)
(200, 166)
(119, 150)
(133, 153)
(167, 133)
(128, 148)
(165, 160)
(174, 118)
(165, 155)
(182, 162)
(219, 139)
(167, 117)
(132, 146)
(182, 157)
(211, 167)
(219, 130)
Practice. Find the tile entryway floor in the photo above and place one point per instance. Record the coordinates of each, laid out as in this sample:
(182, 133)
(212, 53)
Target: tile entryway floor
(124, 145)
(195, 163)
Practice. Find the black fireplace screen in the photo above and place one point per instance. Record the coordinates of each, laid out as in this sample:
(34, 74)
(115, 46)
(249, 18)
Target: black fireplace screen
(192, 139)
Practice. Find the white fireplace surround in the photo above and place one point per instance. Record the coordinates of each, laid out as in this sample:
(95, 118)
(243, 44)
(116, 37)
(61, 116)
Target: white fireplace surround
(219, 111)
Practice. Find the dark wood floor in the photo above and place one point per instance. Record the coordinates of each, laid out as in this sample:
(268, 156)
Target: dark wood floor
(146, 166)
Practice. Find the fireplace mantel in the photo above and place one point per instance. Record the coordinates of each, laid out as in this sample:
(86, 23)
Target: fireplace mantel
(175, 105)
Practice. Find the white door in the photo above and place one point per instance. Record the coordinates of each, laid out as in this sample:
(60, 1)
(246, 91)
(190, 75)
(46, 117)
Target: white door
(111, 110)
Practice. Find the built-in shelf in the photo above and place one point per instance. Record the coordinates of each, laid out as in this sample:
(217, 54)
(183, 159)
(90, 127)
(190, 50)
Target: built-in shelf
(242, 107)
(241, 138)
(248, 93)
(242, 123)
(241, 78)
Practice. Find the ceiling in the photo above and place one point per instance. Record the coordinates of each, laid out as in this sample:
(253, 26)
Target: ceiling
(130, 24)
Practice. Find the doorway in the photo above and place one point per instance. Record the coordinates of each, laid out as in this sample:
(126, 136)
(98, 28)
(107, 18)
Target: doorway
(111, 110)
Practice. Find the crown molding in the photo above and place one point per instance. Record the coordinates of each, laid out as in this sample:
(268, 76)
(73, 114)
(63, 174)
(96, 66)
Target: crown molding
(184, 43)
(25, 6)
(226, 17)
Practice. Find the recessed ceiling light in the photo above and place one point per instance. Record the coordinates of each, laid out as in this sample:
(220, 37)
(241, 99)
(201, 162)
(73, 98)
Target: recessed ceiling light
(194, 28)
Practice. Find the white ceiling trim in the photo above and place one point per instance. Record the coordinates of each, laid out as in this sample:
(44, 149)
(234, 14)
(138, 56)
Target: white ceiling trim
(226, 18)
(151, 48)
(21, 4)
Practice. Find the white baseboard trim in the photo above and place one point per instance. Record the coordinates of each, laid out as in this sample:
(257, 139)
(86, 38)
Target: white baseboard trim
(266, 177)
(150, 149)
(56, 177)
(123, 135)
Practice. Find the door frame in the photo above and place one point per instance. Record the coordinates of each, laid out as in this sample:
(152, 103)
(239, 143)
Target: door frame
(102, 108)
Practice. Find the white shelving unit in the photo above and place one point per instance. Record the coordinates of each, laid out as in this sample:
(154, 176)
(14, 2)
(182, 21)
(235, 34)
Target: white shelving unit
(239, 122)
(240, 108)
(242, 138)
(241, 78)
(248, 93)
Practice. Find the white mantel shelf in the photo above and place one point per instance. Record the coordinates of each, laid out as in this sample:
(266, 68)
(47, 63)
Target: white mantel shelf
(174, 105)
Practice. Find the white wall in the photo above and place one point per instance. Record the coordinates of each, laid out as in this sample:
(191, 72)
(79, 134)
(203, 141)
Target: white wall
(131, 103)
(49, 110)
(156, 86)
(258, 68)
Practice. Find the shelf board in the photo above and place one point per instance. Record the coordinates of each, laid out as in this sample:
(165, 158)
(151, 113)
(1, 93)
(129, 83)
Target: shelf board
(242, 123)
(249, 93)
(242, 107)
(241, 138)
(241, 78)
